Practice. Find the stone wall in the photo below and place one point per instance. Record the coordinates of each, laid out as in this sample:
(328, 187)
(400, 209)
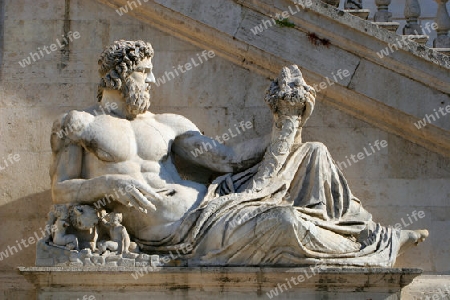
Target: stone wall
(392, 183)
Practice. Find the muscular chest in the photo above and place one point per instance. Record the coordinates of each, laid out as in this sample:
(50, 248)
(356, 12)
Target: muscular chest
(117, 140)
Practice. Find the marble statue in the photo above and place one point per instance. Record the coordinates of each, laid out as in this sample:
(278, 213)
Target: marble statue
(119, 240)
(85, 220)
(59, 235)
(279, 201)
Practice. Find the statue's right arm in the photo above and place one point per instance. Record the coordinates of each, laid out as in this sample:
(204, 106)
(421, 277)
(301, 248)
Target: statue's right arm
(68, 185)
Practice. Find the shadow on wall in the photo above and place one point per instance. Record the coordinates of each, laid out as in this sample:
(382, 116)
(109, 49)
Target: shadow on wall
(2, 30)
(18, 237)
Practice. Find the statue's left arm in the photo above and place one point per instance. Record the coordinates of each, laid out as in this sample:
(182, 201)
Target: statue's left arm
(199, 149)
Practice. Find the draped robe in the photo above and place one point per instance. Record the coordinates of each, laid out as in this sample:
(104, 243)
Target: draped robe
(305, 215)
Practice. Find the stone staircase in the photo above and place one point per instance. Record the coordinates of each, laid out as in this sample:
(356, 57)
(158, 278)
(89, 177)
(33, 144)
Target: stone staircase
(391, 82)
(412, 30)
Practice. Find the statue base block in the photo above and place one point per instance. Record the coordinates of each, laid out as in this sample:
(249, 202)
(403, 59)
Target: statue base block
(220, 282)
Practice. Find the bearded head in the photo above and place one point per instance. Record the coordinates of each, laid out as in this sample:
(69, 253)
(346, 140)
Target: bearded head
(117, 62)
(137, 97)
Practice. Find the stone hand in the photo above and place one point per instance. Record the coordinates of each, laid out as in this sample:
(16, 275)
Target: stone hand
(137, 194)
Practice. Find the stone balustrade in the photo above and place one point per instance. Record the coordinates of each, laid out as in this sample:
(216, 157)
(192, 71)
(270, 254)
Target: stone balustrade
(442, 20)
(412, 13)
(412, 27)
(355, 7)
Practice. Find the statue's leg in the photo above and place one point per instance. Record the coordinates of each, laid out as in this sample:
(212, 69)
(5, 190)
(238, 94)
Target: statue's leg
(410, 238)
(319, 184)
(111, 245)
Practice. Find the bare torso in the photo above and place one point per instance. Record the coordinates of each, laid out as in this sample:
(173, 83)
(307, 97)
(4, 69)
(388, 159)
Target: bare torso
(141, 149)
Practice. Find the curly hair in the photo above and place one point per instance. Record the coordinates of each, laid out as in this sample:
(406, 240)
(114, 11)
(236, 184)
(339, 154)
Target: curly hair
(118, 61)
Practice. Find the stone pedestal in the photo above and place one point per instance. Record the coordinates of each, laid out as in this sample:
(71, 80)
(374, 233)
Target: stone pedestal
(218, 283)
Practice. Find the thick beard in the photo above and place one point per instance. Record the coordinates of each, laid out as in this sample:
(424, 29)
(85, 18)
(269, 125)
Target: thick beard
(137, 98)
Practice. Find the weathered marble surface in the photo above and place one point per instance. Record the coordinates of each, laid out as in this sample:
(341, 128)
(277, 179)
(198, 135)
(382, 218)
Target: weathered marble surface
(220, 283)
(402, 175)
(292, 206)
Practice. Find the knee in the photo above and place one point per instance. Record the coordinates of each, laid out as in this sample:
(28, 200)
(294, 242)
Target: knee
(286, 218)
(316, 146)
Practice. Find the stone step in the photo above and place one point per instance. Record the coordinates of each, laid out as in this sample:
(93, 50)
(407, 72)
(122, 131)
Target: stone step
(391, 26)
(421, 39)
(362, 13)
(353, 43)
(445, 51)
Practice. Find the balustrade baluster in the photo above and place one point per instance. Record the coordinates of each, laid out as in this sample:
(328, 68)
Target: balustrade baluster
(383, 14)
(383, 17)
(412, 28)
(443, 25)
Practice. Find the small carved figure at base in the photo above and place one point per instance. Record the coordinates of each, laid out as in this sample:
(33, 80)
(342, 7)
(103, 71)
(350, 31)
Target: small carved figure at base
(84, 219)
(60, 237)
(58, 220)
(73, 240)
(119, 238)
